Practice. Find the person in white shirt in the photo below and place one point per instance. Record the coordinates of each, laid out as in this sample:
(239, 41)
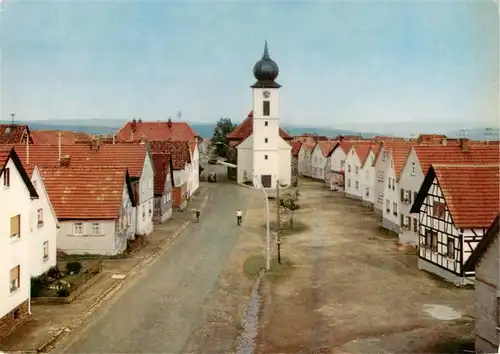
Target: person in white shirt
(239, 216)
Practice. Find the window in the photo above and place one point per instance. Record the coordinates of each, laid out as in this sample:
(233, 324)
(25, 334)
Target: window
(395, 208)
(402, 195)
(46, 250)
(78, 228)
(390, 181)
(143, 211)
(265, 140)
(357, 169)
(387, 206)
(403, 225)
(39, 214)
(96, 228)
(367, 191)
(384, 156)
(450, 251)
(266, 123)
(357, 185)
(15, 226)
(415, 195)
(266, 108)
(6, 177)
(415, 225)
(15, 275)
(342, 163)
(265, 157)
(438, 209)
(150, 207)
(34, 185)
(348, 182)
(434, 245)
(348, 168)
(413, 168)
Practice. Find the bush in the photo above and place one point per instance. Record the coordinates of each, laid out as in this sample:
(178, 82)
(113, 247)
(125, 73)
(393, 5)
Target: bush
(63, 292)
(54, 272)
(73, 267)
(37, 285)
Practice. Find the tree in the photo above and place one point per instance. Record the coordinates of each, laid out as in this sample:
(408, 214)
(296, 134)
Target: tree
(223, 127)
(289, 205)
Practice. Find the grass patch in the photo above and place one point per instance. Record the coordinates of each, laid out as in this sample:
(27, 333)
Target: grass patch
(279, 271)
(288, 228)
(253, 265)
(386, 233)
(76, 280)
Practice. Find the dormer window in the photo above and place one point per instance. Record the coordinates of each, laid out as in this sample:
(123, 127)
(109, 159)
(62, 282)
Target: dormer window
(6, 177)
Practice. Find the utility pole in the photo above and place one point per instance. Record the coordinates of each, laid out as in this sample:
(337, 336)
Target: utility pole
(278, 226)
(12, 115)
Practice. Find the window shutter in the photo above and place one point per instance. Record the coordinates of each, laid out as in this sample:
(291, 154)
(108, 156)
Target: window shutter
(402, 220)
(14, 273)
(14, 225)
(409, 197)
(414, 195)
(402, 194)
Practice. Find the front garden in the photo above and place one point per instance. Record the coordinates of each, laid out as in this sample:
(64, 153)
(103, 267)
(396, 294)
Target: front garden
(64, 281)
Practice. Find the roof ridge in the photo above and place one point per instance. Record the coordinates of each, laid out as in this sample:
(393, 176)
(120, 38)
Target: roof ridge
(469, 165)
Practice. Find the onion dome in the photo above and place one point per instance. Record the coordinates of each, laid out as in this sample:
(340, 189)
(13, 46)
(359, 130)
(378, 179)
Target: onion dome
(266, 71)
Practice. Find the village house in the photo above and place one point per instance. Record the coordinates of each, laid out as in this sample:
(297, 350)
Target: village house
(319, 155)
(295, 157)
(194, 169)
(418, 162)
(15, 134)
(180, 154)
(485, 261)
(157, 131)
(383, 166)
(368, 176)
(163, 187)
(16, 192)
(304, 159)
(357, 185)
(94, 206)
(337, 157)
(134, 156)
(456, 204)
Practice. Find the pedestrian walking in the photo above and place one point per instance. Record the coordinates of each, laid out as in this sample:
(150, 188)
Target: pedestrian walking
(239, 216)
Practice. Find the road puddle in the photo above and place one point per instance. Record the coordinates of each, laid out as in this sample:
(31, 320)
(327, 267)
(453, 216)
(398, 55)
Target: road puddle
(443, 313)
(246, 339)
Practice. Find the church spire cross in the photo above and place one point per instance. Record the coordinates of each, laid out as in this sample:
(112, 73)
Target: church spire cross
(266, 51)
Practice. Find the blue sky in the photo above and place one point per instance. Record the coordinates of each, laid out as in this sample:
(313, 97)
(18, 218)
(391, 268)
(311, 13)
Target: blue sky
(342, 64)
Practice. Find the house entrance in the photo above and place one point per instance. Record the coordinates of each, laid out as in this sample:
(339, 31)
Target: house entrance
(266, 181)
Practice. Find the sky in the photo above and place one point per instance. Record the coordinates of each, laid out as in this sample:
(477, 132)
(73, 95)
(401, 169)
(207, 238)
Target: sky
(342, 64)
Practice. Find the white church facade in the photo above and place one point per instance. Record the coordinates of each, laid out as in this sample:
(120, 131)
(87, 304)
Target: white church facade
(264, 157)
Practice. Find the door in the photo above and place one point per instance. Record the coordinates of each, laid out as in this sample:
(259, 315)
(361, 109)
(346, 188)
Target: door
(266, 181)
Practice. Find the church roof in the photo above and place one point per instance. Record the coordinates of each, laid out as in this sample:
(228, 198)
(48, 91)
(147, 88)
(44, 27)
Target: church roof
(266, 71)
(245, 129)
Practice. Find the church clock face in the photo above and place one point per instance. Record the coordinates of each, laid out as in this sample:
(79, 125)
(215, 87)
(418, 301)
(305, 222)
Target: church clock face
(266, 94)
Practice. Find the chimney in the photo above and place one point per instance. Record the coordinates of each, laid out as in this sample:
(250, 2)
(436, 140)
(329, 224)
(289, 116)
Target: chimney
(444, 141)
(114, 138)
(169, 123)
(64, 161)
(464, 144)
(133, 128)
(140, 120)
(59, 142)
(94, 144)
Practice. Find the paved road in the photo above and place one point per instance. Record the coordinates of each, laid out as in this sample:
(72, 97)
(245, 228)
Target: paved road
(161, 308)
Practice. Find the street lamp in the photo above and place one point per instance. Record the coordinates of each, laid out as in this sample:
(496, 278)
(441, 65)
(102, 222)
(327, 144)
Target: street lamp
(268, 236)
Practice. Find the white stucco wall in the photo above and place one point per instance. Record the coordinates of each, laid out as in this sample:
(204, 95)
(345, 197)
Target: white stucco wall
(245, 160)
(14, 251)
(44, 232)
(368, 179)
(194, 171)
(285, 160)
(411, 179)
(145, 205)
(391, 219)
(318, 163)
(381, 165)
(354, 190)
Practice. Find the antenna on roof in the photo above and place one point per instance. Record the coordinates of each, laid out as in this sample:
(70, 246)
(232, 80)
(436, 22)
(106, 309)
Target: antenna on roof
(12, 115)
(179, 115)
(487, 134)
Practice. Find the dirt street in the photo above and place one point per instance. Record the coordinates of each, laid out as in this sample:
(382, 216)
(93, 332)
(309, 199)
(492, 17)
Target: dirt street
(352, 289)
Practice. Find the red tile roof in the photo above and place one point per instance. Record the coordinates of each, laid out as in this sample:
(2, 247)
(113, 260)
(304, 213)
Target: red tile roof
(92, 193)
(295, 147)
(362, 151)
(346, 145)
(9, 153)
(326, 146)
(245, 129)
(51, 137)
(175, 131)
(401, 148)
(179, 151)
(161, 163)
(453, 154)
(471, 193)
(308, 146)
(13, 133)
(131, 156)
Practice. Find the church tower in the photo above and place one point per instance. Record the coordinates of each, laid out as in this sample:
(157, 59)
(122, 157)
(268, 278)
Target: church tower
(266, 130)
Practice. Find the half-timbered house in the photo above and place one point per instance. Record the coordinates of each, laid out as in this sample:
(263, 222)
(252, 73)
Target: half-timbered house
(456, 205)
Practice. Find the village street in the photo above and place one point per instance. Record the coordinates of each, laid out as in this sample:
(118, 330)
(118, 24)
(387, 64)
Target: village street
(159, 309)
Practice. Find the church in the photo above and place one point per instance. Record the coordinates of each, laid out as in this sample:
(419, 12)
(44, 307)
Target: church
(264, 156)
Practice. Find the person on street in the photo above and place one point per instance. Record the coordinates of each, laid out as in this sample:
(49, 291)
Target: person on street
(197, 214)
(239, 216)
